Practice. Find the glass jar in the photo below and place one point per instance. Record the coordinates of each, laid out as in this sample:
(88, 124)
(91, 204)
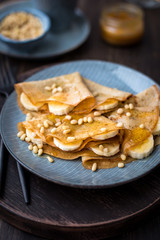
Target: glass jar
(122, 24)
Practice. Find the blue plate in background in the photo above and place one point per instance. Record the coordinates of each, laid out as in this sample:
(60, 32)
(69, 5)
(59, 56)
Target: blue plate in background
(72, 173)
(54, 44)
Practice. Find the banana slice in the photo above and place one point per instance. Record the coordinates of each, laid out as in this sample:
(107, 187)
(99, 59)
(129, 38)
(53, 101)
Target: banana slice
(107, 105)
(156, 131)
(106, 135)
(31, 135)
(109, 149)
(142, 150)
(59, 108)
(67, 146)
(28, 104)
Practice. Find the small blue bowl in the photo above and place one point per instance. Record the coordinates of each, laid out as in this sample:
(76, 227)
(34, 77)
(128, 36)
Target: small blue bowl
(29, 43)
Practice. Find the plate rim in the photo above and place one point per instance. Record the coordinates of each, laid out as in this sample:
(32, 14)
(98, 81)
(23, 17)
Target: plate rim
(77, 12)
(67, 183)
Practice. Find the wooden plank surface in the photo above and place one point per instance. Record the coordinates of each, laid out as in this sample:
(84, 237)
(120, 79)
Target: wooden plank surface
(144, 57)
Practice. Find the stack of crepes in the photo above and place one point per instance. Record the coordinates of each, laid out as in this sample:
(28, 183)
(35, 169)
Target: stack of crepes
(70, 116)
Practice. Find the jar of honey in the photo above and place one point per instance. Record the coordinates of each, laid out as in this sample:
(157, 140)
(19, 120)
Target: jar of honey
(122, 24)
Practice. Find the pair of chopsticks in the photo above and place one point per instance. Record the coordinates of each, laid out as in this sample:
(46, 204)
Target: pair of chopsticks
(7, 81)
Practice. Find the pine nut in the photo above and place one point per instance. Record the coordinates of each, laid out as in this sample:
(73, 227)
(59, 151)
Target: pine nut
(73, 122)
(40, 152)
(120, 165)
(85, 119)
(66, 131)
(94, 167)
(19, 134)
(35, 149)
(68, 117)
(29, 115)
(131, 106)
(33, 134)
(126, 106)
(30, 147)
(120, 111)
(105, 150)
(90, 119)
(50, 122)
(103, 129)
(39, 125)
(59, 89)
(123, 157)
(42, 130)
(53, 130)
(50, 159)
(96, 114)
(70, 139)
(40, 145)
(101, 147)
(54, 90)
(23, 137)
(53, 85)
(128, 114)
(80, 121)
(27, 139)
(58, 124)
(47, 88)
(120, 124)
(141, 125)
(46, 125)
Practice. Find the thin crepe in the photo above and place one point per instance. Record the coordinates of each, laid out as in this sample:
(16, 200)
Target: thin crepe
(74, 92)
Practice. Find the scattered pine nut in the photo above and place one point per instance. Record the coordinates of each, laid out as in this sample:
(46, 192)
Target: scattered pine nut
(29, 115)
(73, 122)
(40, 145)
(131, 106)
(42, 130)
(39, 125)
(35, 149)
(50, 122)
(58, 124)
(123, 157)
(54, 90)
(47, 88)
(66, 131)
(105, 150)
(120, 124)
(90, 119)
(94, 167)
(53, 130)
(27, 139)
(23, 137)
(80, 121)
(85, 119)
(40, 152)
(96, 114)
(120, 110)
(128, 114)
(103, 129)
(50, 159)
(120, 165)
(126, 106)
(141, 125)
(59, 89)
(70, 139)
(19, 134)
(68, 117)
(30, 147)
(101, 147)
(46, 125)
(53, 85)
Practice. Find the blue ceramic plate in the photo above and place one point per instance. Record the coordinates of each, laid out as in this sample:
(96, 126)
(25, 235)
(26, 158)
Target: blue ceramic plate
(54, 44)
(72, 173)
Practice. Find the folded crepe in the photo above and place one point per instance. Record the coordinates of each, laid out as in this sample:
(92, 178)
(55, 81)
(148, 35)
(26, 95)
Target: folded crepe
(106, 98)
(99, 128)
(58, 95)
(143, 120)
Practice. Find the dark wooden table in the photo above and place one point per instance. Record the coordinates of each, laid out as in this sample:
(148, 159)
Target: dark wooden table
(144, 57)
